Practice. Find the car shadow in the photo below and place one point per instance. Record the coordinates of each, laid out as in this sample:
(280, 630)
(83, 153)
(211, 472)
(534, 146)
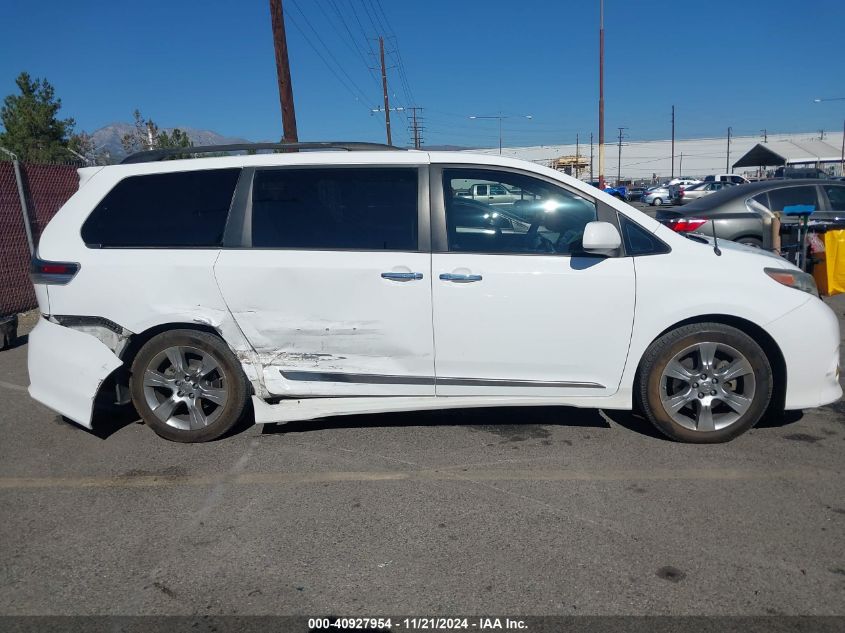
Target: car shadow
(504, 419)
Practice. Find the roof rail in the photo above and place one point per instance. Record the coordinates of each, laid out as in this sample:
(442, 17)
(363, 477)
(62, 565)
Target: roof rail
(153, 155)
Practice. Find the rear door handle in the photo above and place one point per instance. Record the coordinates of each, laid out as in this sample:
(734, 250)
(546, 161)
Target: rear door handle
(402, 276)
(460, 278)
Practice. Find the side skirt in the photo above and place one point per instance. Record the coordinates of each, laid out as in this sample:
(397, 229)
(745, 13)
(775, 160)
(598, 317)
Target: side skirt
(290, 410)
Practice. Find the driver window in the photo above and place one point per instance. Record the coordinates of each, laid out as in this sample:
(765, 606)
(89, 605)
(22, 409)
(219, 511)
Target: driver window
(542, 217)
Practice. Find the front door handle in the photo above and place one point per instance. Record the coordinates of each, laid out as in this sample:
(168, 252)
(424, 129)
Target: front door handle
(402, 276)
(460, 278)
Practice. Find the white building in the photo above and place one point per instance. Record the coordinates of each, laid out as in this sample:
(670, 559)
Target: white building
(643, 160)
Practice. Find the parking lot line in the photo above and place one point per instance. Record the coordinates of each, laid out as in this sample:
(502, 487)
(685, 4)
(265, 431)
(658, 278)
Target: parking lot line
(282, 478)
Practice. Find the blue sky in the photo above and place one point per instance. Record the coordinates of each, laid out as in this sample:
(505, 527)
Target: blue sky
(209, 64)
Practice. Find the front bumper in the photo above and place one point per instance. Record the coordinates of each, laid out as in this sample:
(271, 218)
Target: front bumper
(66, 369)
(809, 340)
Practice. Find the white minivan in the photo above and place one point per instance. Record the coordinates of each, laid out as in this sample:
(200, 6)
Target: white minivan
(354, 278)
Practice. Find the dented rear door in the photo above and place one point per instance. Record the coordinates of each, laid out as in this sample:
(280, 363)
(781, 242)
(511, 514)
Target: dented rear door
(331, 281)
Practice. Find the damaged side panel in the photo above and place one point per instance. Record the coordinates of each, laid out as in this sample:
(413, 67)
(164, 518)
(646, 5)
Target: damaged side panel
(314, 316)
(66, 369)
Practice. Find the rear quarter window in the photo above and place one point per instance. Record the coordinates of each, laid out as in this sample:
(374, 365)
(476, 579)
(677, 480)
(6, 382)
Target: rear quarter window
(175, 210)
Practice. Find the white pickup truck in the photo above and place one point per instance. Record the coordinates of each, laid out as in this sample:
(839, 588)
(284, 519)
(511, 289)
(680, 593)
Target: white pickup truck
(491, 193)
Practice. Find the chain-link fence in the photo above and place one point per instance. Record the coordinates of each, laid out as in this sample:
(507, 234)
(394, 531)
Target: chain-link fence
(29, 197)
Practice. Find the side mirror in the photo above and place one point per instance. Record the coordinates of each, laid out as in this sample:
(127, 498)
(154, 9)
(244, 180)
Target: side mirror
(601, 238)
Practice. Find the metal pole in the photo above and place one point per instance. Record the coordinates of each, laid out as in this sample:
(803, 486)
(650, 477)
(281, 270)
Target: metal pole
(681, 166)
(384, 89)
(728, 159)
(601, 94)
(842, 157)
(500, 133)
(673, 143)
(619, 158)
(591, 157)
(577, 152)
(280, 45)
(22, 195)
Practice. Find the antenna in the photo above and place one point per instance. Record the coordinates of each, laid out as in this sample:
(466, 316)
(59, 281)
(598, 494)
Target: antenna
(715, 239)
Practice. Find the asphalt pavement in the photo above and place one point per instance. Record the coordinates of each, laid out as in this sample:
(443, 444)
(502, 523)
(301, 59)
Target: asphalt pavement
(530, 511)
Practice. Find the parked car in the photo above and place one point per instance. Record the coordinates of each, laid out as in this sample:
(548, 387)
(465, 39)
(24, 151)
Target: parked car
(734, 178)
(635, 193)
(800, 172)
(492, 193)
(736, 210)
(323, 283)
(619, 191)
(683, 182)
(658, 196)
(688, 194)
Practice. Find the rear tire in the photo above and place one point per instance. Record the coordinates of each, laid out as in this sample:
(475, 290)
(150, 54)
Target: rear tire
(188, 386)
(751, 241)
(704, 383)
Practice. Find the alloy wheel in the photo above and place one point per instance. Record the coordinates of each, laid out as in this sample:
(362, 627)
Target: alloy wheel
(707, 386)
(185, 387)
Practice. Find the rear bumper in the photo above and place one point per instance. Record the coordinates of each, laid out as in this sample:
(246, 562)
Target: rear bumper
(809, 340)
(66, 369)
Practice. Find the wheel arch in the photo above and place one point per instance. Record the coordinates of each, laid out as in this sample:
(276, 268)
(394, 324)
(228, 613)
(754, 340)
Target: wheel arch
(119, 380)
(760, 336)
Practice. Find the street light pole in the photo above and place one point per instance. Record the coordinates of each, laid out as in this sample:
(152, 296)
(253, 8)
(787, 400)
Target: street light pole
(501, 116)
(842, 155)
(601, 94)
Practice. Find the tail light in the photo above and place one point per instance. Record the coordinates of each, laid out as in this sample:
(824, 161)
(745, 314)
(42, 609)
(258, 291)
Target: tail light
(54, 273)
(681, 193)
(684, 225)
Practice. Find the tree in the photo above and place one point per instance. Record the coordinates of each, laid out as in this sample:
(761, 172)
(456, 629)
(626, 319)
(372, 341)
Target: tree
(31, 127)
(146, 135)
(82, 146)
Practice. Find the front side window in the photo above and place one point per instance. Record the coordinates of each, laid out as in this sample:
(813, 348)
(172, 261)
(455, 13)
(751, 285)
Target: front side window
(186, 209)
(335, 208)
(796, 199)
(543, 217)
(836, 195)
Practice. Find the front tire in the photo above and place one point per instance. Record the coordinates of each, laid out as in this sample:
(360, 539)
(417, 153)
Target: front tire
(188, 386)
(657, 202)
(704, 383)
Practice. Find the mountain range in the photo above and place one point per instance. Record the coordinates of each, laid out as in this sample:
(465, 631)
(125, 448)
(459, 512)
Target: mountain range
(108, 138)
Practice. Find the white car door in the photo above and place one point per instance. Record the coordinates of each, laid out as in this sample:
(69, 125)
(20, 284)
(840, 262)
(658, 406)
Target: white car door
(328, 278)
(518, 309)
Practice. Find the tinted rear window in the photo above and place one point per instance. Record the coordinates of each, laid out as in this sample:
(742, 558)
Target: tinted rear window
(181, 209)
(346, 208)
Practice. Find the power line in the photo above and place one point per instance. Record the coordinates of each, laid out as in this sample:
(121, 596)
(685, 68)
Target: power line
(354, 86)
(351, 38)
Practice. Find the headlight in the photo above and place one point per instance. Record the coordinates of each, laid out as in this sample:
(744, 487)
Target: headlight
(794, 279)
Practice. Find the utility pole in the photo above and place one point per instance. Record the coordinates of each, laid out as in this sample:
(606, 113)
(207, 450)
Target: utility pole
(673, 143)
(280, 44)
(765, 135)
(577, 153)
(601, 94)
(681, 166)
(591, 157)
(416, 127)
(619, 158)
(384, 89)
(728, 159)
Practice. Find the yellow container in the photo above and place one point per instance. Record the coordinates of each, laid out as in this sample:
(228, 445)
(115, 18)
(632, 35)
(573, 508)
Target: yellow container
(830, 273)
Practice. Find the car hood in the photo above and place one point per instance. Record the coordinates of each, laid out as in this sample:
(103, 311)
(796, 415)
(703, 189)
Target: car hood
(767, 257)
